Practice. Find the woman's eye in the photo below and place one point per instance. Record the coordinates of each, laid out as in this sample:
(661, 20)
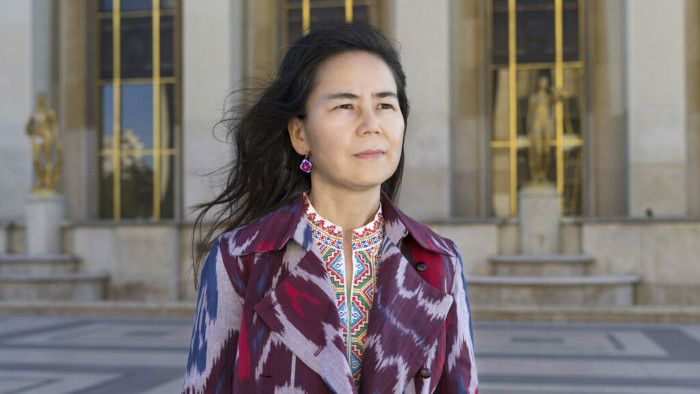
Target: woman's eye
(382, 106)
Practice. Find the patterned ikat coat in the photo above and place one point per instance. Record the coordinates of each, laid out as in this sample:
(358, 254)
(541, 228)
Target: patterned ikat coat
(266, 319)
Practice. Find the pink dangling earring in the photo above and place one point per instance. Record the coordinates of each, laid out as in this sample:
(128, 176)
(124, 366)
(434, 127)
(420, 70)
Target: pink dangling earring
(306, 164)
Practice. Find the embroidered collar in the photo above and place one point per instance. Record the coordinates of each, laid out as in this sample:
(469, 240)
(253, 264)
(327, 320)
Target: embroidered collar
(331, 234)
(289, 221)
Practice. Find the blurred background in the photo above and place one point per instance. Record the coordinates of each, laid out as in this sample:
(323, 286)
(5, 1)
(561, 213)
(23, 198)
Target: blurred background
(557, 142)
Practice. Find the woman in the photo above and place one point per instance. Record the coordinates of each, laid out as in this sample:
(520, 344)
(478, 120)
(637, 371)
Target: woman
(309, 224)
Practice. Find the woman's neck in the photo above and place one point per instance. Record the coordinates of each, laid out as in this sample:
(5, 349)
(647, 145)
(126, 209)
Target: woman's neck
(347, 209)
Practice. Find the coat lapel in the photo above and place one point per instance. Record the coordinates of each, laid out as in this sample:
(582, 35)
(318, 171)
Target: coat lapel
(302, 311)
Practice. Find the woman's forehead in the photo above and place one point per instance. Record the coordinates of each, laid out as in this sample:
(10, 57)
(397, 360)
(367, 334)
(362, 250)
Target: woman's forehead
(358, 73)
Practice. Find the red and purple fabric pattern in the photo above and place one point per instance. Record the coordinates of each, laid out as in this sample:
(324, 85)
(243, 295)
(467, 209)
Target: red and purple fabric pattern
(267, 321)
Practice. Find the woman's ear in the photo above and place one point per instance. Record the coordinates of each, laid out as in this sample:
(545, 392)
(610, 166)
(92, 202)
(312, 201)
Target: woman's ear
(297, 134)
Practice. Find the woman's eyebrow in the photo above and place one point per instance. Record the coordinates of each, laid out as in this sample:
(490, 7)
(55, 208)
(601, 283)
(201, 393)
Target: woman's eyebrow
(386, 94)
(353, 96)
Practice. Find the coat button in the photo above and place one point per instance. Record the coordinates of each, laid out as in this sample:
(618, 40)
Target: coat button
(421, 266)
(424, 373)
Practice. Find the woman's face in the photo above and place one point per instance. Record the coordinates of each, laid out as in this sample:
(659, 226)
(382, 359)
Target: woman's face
(353, 126)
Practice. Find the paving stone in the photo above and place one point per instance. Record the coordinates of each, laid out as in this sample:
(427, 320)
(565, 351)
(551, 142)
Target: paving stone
(103, 355)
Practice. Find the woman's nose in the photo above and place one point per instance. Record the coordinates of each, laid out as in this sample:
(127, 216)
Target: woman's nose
(370, 122)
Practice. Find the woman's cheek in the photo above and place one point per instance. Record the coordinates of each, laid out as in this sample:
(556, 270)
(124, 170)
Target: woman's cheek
(399, 129)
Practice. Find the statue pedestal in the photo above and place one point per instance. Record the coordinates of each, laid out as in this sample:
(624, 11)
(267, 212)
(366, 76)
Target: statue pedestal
(44, 217)
(539, 219)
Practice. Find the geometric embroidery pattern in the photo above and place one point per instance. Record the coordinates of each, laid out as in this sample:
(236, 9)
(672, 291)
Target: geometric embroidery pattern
(366, 245)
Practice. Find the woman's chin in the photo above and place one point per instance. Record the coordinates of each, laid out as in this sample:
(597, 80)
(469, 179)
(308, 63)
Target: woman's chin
(367, 183)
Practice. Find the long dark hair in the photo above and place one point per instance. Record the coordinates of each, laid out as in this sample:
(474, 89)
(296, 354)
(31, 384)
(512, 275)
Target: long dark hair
(264, 174)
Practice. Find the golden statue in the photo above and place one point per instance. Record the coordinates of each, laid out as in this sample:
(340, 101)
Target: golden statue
(541, 129)
(47, 153)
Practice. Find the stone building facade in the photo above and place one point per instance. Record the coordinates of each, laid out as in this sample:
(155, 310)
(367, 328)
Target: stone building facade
(138, 110)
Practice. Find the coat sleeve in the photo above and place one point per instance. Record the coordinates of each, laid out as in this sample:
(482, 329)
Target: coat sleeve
(213, 346)
(459, 372)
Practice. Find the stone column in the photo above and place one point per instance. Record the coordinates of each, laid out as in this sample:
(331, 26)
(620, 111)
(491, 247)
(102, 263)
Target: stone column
(656, 96)
(44, 49)
(211, 47)
(606, 140)
(16, 103)
(692, 50)
(423, 31)
(78, 181)
(469, 145)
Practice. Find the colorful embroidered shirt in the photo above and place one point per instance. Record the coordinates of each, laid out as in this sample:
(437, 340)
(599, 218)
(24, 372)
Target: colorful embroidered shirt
(366, 247)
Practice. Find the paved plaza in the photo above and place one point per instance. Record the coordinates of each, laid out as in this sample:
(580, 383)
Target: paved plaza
(59, 354)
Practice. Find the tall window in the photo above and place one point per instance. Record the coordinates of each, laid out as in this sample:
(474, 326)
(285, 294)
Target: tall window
(536, 43)
(138, 111)
(300, 16)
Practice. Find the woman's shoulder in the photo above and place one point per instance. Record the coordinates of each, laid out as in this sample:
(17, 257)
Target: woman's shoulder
(236, 250)
(422, 233)
(264, 233)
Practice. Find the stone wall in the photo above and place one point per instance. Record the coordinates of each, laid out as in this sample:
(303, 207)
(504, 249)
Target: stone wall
(665, 254)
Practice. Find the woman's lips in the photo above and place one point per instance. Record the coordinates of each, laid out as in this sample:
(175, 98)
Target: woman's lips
(369, 154)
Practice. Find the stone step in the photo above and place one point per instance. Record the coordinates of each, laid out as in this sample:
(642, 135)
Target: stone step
(39, 264)
(185, 309)
(540, 264)
(607, 290)
(55, 287)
